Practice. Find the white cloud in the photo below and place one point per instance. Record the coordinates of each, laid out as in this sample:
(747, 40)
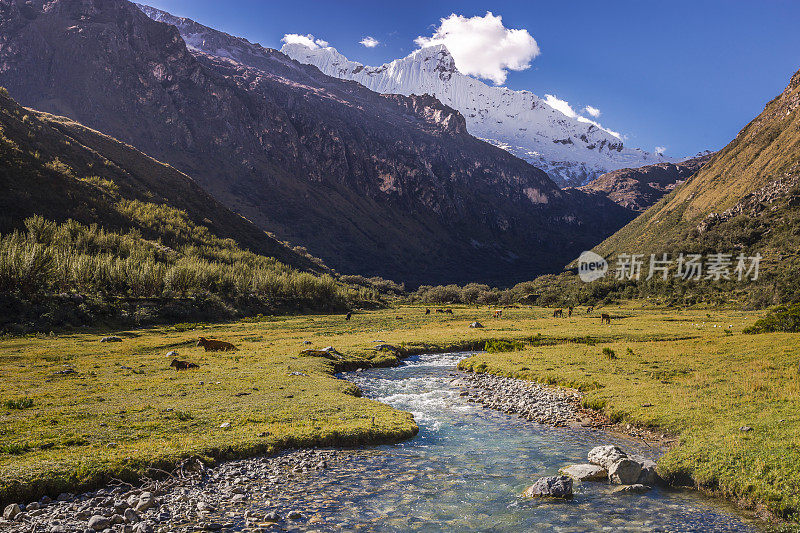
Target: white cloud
(560, 105)
(563, 106)
(306, 40)
(659, 150)
(369, 41)
(598, 125)
(593, 111)
(482, 46)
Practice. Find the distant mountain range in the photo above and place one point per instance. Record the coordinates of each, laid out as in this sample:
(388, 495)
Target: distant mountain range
(639, 188)
(374, 184)
(572, 150)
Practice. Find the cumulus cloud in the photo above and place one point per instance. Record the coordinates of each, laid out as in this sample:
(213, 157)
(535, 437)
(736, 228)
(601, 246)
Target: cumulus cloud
(593, 111)
(306, 40)
(659, 150)
(482, 46)
(369, 41)
(560, 105)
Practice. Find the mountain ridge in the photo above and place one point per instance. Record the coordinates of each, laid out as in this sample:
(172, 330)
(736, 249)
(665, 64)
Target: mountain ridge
(377, 185)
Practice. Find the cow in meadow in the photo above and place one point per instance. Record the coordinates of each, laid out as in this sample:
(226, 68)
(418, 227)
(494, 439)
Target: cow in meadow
(214, 345)
(182, 365)
(558, 313)
(605, 318)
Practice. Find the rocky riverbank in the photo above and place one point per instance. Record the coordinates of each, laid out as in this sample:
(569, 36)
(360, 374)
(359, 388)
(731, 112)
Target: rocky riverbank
(193, 498)
(545, 405)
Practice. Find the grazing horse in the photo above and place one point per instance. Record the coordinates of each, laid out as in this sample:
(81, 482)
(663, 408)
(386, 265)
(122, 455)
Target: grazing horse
(589, 310)
(348, 315)
(569, 311)
(497, 314)
(182, 365)
(605, 319)
(213, 345)
(427, 311)
(440, 310)
(558, 313)
(449, 311)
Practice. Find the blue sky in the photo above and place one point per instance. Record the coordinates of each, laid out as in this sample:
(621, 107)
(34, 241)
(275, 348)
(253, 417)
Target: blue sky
(683, 75)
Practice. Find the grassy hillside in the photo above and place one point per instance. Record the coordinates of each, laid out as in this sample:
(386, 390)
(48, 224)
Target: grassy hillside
(766, 150)
(93, 230)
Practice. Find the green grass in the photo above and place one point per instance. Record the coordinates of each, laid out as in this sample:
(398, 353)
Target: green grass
(697, 381)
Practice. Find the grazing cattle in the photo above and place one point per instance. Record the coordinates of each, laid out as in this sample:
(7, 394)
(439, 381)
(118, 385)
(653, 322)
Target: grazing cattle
(427, 311)
(569, 311)
(450, 311)
(589, 310)
(213, 345)
(497, 314)
(182, 365)
(558, 313)
(440, 310)
(605, 319)
(348, 315)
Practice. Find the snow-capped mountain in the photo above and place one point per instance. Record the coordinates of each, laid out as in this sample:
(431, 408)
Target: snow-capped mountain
(573, 151)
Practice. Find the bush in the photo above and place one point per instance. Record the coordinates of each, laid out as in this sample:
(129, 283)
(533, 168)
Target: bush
(609, 353)
(784, 318)
(495, 345)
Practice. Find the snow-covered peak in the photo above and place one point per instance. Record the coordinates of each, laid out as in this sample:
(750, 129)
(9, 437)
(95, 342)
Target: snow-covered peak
(571, 149)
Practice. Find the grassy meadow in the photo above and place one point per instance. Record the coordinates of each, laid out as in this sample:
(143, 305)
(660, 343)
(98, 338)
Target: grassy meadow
(691, 372)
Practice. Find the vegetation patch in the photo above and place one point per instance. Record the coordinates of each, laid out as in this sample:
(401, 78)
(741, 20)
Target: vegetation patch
(783, 318)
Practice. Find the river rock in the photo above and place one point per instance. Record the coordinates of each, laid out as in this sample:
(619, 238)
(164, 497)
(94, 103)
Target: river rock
(99, 523)
(636, 488)
(648, 475)
(625, 472)
(585, 472)
(11, 511)
(131, 516)
(111, 339)
(550, 487)
(145, 502)
(606, 456)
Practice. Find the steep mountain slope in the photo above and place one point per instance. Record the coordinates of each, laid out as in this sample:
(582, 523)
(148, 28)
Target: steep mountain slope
(390, 186)
(59, 169)
(747, 198)
(572, 150)
(639, 188)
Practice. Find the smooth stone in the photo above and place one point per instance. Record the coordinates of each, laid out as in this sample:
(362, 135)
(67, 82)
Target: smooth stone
(99, 522)
(11, 511)
(625, 472)
(550, 487)
(648, 475)
(585, 472)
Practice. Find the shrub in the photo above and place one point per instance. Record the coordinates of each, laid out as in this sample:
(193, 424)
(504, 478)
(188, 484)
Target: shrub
(21, 403)
(784, 318)
(495, 345)
(609, 353)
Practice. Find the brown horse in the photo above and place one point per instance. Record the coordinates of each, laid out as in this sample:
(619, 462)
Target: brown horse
(182, 365)
(605, 318)
(348, 315)
(214, 345)
(497, 314)
(427, 311)
(558, 313)
(569, 311)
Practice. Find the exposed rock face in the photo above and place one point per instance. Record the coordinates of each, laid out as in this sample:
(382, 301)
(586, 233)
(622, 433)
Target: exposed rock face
(389, 186)
(639, 188)
(550, 487)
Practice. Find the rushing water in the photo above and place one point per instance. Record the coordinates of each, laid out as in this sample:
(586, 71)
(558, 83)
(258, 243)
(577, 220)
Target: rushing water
(468, 465)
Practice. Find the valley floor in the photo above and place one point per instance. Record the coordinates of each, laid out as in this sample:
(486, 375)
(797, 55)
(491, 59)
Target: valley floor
(77, 412)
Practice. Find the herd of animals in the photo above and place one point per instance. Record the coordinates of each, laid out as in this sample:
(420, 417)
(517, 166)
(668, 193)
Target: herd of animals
(215, 345)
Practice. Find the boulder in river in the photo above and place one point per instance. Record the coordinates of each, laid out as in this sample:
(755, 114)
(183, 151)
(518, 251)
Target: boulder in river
(648, 475)
(550, 487)
(625, 472)
(585, 472)
(606, 456)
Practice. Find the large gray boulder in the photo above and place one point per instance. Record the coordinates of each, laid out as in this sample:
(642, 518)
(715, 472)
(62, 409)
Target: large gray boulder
(625, 472)
(99, 523)
(585, 472)
(648, 475)
(550, 487)
(11, 511)
(606, 456)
